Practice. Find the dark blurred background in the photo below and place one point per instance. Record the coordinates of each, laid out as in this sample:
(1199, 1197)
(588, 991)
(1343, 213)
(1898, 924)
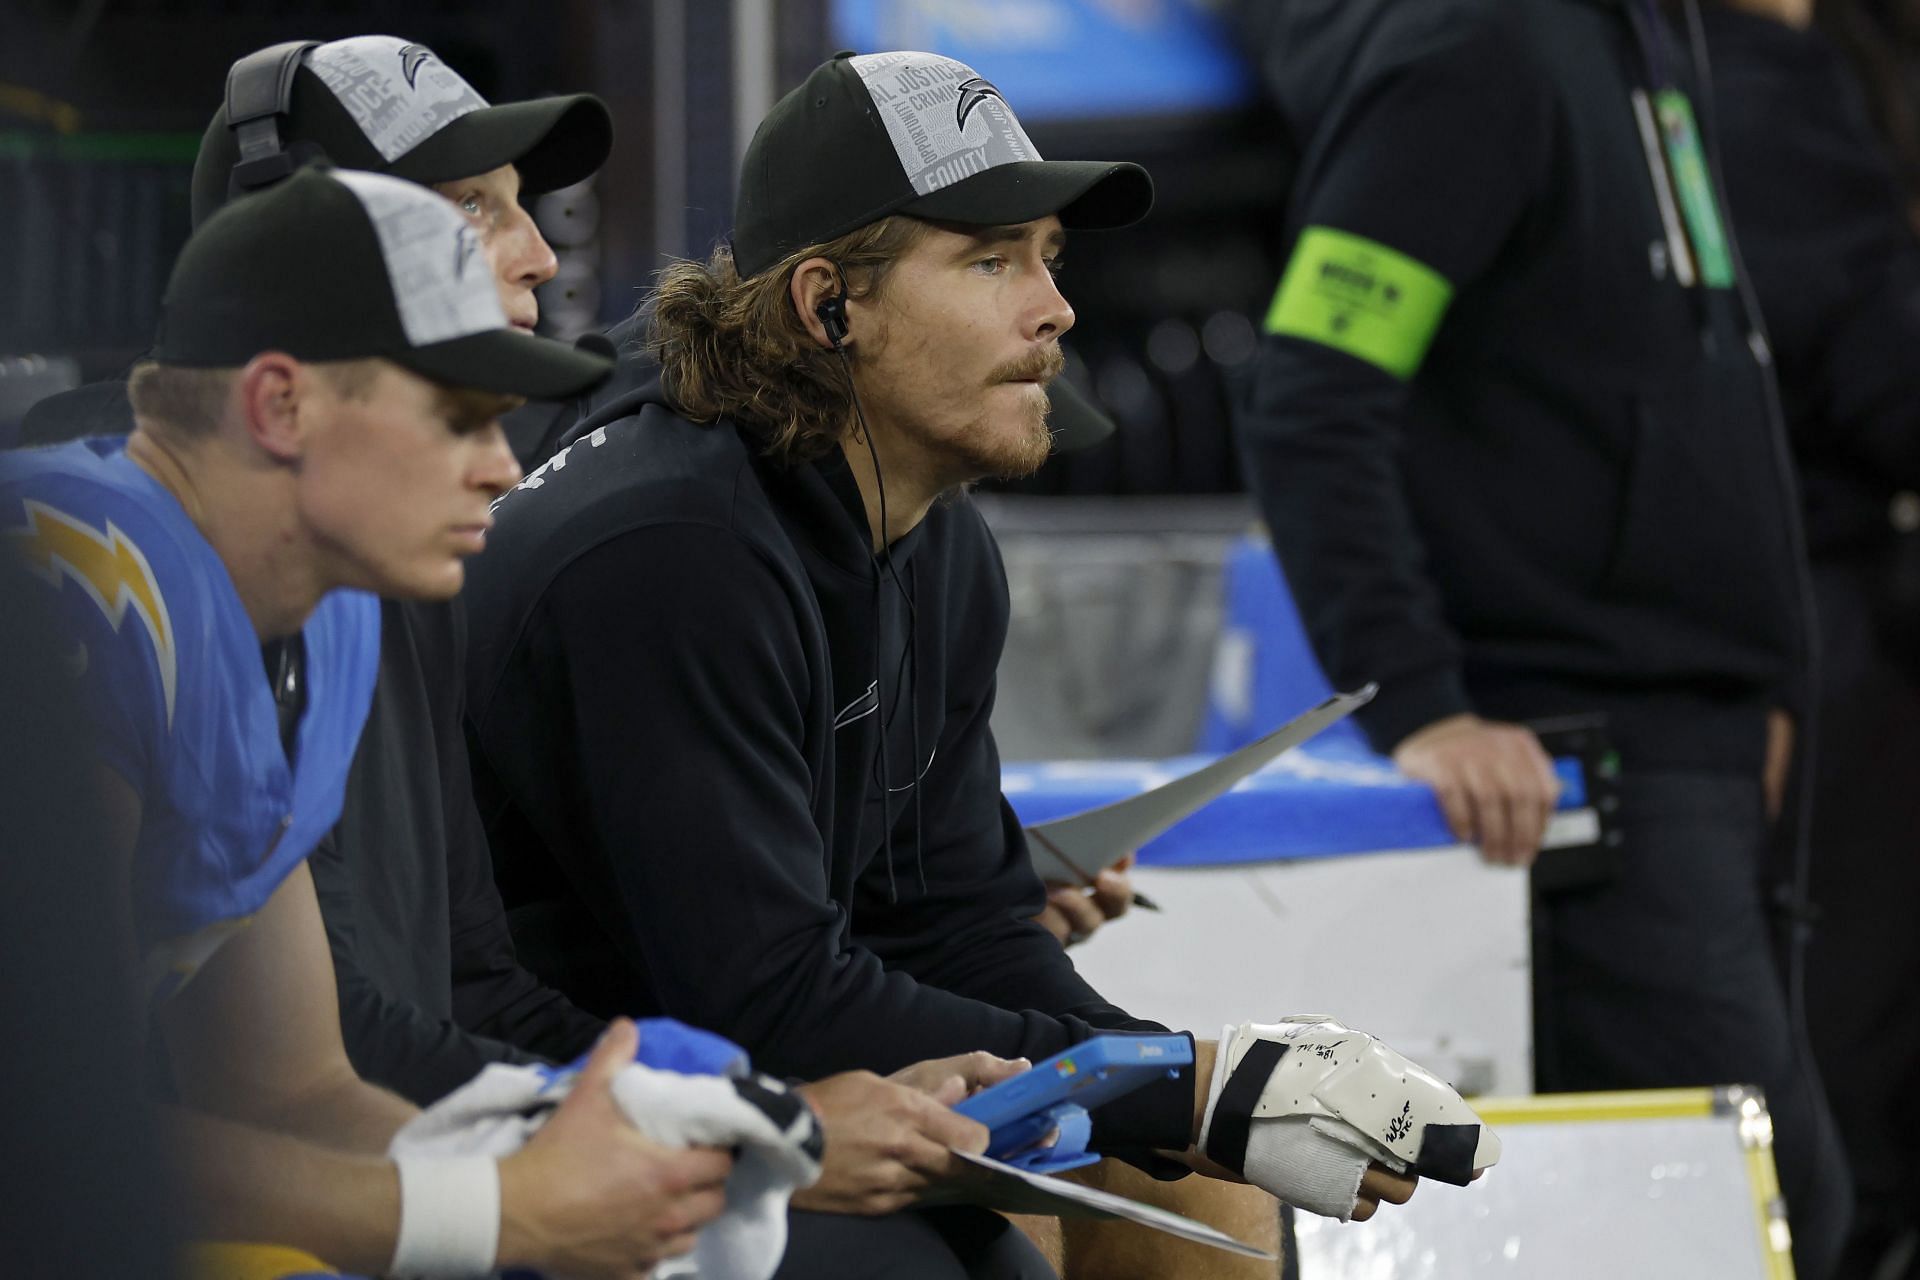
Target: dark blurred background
(102, 103)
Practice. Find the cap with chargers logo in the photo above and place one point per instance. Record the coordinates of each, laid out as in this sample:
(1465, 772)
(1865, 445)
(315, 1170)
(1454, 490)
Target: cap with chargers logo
(339, 265)
(386, 105)
(914, 133)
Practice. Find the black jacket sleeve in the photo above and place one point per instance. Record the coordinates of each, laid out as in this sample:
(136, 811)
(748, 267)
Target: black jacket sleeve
(1431, 149)
(688, 741)
(391, 1042)
(394, 1024)
(971, 933)
(494, 995)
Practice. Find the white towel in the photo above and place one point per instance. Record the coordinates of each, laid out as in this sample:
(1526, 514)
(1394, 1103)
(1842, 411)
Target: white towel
(775, 1137)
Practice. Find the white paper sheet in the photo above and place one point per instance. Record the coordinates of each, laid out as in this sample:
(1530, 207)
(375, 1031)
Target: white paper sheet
(1092, 841)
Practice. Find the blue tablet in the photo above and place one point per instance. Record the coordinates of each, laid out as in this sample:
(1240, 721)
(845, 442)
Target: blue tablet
(1092, 1072)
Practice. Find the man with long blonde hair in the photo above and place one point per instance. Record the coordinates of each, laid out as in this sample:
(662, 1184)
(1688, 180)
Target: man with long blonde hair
(733, 650)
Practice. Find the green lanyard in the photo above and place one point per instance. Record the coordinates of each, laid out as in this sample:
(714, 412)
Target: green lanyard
(1687, 162)
(1678, 164)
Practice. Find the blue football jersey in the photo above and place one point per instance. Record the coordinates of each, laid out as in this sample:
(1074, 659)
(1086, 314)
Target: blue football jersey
(170, 678)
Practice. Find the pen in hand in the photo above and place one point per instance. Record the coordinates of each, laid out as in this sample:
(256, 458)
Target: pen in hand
(1139, 899)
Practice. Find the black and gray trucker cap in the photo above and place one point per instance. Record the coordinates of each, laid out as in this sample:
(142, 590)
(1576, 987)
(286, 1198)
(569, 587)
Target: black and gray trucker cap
(338, 265)
(882, 133)
(387, 105)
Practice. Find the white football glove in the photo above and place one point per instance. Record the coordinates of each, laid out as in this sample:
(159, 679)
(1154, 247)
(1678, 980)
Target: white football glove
(1301, 1107)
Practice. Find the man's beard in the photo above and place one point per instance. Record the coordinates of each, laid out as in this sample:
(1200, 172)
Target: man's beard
(1012, 455)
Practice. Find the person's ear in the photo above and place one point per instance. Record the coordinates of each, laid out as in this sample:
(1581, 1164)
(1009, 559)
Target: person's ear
(268, 396)
(818, 293)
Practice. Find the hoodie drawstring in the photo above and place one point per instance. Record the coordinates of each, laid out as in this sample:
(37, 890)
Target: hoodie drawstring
(913, 723)
(906, 685)
(886, 790)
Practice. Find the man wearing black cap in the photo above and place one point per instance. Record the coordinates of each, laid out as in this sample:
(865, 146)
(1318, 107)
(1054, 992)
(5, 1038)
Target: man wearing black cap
(319, 420)
(732, 653)
(384, 105)
(429, 990)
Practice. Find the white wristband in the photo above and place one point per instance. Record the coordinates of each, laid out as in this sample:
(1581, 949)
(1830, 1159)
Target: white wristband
(449, 1217)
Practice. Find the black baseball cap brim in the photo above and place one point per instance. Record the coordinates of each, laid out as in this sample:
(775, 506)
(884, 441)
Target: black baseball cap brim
(554, 142)
(508, 362)
(1089, 195)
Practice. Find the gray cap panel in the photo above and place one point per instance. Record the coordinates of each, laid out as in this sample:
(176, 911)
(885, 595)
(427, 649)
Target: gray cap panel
(946, 123)
(399, 93)
(443, 286)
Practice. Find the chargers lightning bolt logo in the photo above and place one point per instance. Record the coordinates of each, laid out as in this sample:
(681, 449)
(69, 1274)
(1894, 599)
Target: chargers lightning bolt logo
(109, 568)
(412, 57)
(464, 244)
(972, 93)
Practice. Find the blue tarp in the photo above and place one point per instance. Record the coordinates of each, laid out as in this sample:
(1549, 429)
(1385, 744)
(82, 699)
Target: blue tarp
(1318, 800)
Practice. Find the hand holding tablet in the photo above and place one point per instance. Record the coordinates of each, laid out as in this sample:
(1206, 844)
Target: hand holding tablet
(1057, 1094)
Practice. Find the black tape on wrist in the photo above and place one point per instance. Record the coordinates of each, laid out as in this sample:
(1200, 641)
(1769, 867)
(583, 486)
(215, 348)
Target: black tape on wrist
(1233, 1109)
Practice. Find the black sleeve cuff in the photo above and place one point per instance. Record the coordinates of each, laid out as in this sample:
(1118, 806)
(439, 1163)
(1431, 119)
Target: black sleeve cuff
(1154, 1116)
(1411, 701)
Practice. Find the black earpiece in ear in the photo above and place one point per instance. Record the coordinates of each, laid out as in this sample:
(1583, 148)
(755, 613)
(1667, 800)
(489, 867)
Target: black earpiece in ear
(833, 317)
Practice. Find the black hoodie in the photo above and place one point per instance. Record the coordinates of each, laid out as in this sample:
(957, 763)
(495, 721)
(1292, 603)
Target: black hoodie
(685, 664)
(1575, 503)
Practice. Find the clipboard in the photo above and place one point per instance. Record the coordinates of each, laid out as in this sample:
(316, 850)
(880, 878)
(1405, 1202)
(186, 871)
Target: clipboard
(1074, 849)
(1001, 1186)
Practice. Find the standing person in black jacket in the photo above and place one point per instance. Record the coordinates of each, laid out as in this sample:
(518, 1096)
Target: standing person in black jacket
(733, 649)
(1824, 223)
(1510, 431)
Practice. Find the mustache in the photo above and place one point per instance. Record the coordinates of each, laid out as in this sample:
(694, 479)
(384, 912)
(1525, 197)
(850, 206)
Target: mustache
(1043, 365)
